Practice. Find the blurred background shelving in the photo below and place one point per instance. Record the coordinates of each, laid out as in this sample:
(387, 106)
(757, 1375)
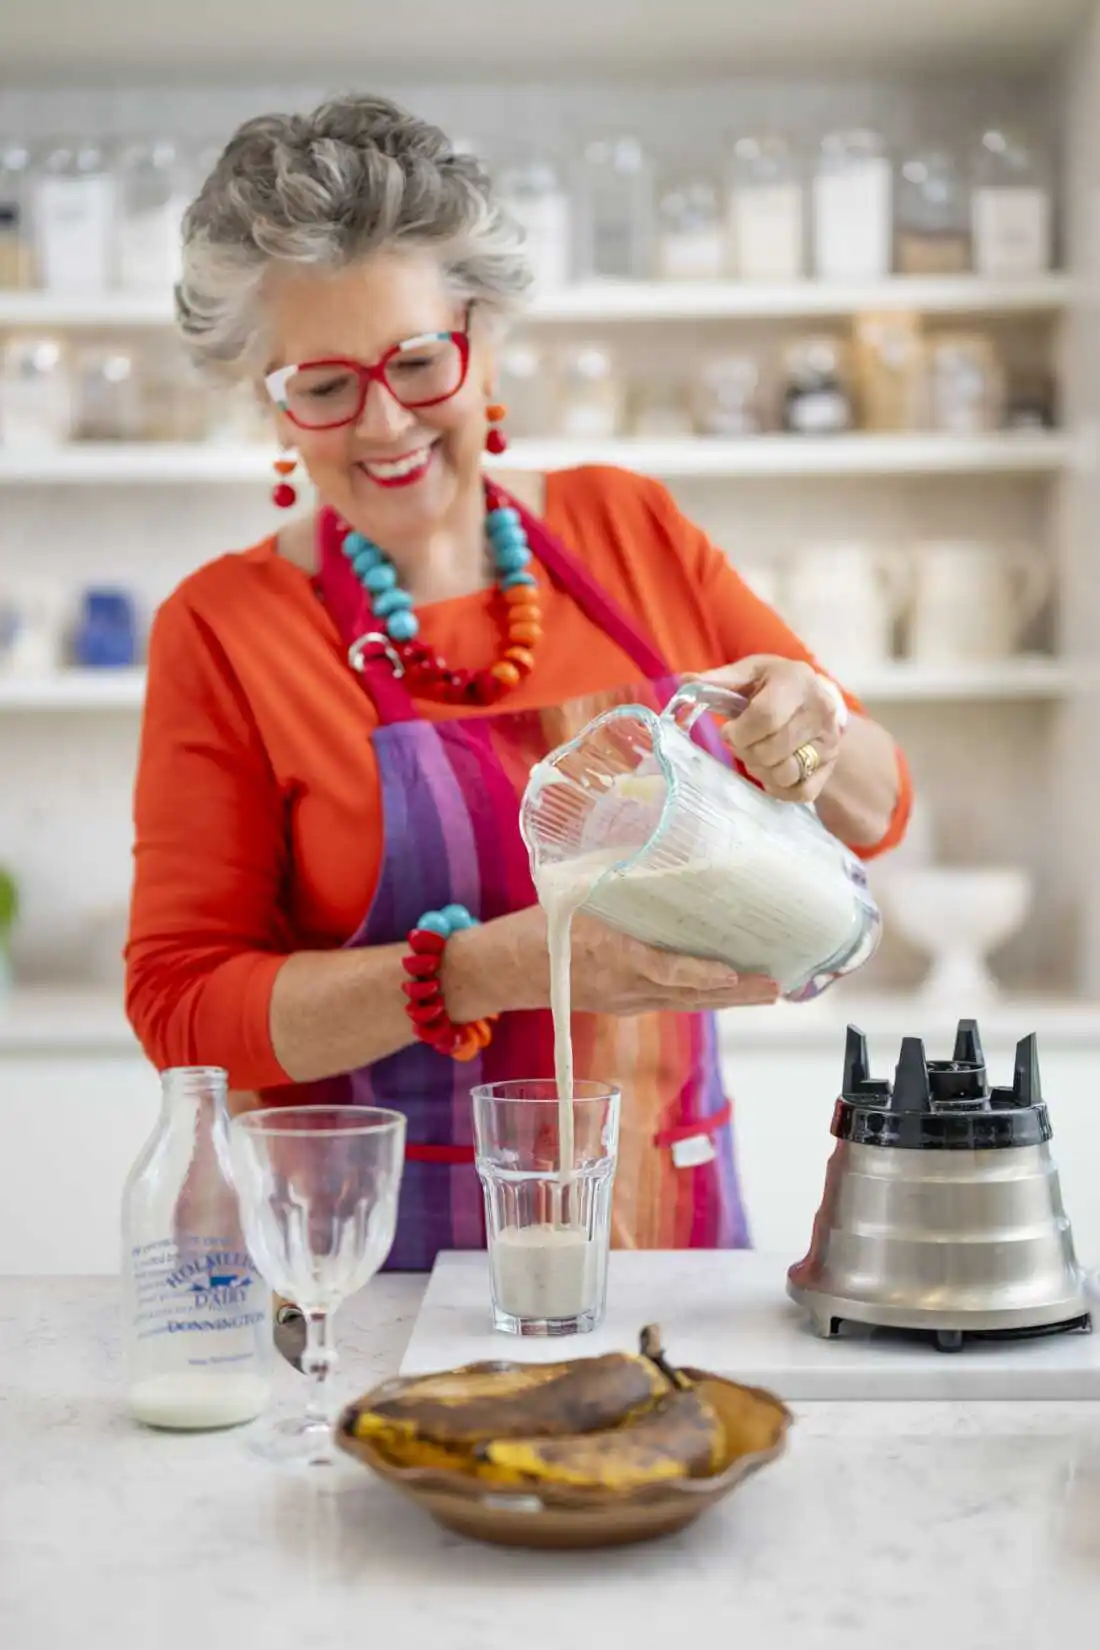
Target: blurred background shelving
(842, 418)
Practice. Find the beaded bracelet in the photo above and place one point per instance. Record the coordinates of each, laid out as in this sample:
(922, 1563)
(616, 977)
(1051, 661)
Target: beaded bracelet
(425, 1007)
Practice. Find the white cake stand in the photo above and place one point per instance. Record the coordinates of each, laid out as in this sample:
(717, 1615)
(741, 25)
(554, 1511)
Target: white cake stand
(958, 917)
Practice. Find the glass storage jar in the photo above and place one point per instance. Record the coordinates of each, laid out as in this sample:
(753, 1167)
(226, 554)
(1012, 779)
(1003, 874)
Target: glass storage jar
(852, 206)
(1013, 213)
(615, 209)
(726, 395)
(817, 397)
(16, 251)
(766, 210)
(933, 215)
(36, 392)
(74, 194)
(691, 242)
(532, 192)
(108, 393)
(151, 203)
(591, 394)
(526, 389)
(967, 384)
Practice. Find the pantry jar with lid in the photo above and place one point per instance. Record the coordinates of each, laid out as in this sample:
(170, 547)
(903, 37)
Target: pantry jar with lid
(75, 198)
(933, 215)
(766, 209)
(852, 206)
(108, 394)
(691, 240)
(525, 383)
(151, 202)
(967, 383)
(36, 392)
(16, 255)
(615, 209)
(533, 193)
(817, 398)
(660, 409)
(1013, 217)
(172, 396)
(726, 395)
(591, 394)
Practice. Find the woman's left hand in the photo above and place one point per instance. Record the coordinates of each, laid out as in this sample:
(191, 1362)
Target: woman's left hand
(788, 737)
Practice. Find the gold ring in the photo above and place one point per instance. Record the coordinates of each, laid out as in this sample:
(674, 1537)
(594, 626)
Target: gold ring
(808, 758)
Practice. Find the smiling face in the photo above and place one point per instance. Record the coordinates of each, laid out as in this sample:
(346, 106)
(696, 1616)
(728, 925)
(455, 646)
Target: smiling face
(395, 473)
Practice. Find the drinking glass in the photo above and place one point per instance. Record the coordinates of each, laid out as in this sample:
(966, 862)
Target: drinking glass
(547, 1172)
(318, 1189)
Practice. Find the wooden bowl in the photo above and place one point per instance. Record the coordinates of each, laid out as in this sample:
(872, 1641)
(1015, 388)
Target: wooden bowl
(561, 1516)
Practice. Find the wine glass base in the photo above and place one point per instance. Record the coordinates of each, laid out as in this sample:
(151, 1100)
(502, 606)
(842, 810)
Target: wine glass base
(290, 1438)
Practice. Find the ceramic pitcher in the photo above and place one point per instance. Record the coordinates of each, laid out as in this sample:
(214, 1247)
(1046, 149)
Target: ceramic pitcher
(844, 600)
(972, 601)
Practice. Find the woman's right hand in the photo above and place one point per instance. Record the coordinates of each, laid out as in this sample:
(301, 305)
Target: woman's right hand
(505, 965)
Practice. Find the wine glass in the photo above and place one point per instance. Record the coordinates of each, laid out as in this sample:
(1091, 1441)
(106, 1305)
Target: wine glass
(318, 1189)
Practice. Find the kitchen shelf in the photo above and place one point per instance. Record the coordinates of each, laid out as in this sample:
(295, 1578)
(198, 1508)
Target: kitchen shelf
(766, 300)
(999, 453)
(900, 683)
(1029, 677)
(638, 301)
(759, 457)
(74, 690)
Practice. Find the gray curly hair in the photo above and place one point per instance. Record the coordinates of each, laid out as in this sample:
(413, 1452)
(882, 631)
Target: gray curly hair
(357, 175)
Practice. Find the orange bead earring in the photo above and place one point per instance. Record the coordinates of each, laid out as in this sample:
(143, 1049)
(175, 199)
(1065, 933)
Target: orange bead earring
(496, 441)
(283, 495)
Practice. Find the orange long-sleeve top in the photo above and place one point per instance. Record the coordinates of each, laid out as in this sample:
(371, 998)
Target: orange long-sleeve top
(258, 828)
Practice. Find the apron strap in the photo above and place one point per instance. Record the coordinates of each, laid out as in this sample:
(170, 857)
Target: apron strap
(572, 576)
(347, 604)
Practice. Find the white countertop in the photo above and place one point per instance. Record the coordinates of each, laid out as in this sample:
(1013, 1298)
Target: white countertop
(956, 1526)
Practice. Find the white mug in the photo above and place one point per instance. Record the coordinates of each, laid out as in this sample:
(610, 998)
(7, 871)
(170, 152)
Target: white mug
(971, 601)
(843, 600)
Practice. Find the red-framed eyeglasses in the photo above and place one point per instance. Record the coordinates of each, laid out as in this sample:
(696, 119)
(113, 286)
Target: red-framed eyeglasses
(417, 372)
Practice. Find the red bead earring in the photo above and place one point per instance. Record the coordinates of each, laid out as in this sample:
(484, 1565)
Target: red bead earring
(283, 495)
(496, 441)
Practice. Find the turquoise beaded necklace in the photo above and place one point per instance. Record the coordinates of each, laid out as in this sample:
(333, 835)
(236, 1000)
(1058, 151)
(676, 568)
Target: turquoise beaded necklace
(395, 613)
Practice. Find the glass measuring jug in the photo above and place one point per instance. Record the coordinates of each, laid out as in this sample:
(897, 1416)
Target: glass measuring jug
(666, 843)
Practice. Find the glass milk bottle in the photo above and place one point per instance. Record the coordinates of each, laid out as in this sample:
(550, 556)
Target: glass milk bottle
(198, 1317)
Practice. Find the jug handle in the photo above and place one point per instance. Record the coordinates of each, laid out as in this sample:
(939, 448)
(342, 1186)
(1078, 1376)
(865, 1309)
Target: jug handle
(694, 699)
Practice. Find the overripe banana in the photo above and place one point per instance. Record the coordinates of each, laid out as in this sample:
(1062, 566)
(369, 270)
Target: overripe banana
(680, 1437)
(441, 1419)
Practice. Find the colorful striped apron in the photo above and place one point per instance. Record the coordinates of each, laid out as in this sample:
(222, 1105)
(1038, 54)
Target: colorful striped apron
(450, 798)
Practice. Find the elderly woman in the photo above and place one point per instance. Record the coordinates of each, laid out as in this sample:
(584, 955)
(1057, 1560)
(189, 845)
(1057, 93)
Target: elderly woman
(340, 721)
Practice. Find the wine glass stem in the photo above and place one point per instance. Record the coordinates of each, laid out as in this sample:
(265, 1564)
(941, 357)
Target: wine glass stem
(318, 1363)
